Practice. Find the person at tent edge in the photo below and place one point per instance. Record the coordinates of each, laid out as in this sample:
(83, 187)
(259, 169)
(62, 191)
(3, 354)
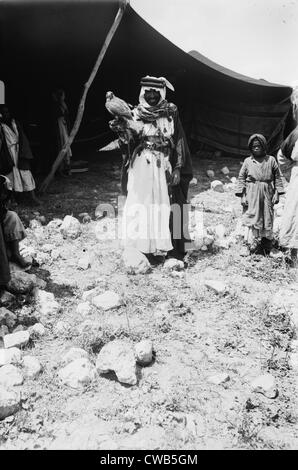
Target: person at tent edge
(156, 173)
(16, 156)
(12, 232)
(259, 186)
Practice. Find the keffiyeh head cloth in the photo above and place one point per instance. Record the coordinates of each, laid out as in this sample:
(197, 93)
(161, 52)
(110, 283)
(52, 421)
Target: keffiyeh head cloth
(162, 108)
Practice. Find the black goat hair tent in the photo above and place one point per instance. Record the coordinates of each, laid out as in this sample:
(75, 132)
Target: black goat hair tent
(49, 43)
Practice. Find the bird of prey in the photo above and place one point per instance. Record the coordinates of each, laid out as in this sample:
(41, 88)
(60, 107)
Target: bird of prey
(117, 107)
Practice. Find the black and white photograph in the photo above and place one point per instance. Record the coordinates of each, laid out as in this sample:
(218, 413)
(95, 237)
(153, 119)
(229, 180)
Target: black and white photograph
(148, 228)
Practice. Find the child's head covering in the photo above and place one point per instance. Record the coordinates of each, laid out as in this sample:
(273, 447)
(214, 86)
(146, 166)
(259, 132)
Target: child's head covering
(262, 140)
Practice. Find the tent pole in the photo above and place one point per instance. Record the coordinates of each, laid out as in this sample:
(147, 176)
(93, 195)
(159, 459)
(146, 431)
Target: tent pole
(80, 111)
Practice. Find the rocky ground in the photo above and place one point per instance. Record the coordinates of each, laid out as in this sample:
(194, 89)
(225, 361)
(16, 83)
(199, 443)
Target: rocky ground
(218, 367)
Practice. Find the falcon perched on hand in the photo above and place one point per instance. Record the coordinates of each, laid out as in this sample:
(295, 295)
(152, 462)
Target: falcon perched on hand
(117, 107)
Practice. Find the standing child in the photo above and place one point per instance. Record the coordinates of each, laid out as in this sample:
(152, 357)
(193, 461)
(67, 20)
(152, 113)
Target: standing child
(259, 186)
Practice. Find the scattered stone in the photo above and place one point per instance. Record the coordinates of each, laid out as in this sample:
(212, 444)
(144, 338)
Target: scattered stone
(74, 354)
(10, 376)
(9, 402)
(32, 366)
(84, 308)
(55, 254)
(34, 224)
(217, 286)
(6, 299)
(71, 227)
(107, 301)
(135, 262)
(38, 330)
(219, 379)
(233, 180)
(208, 240)
(225, 170)
(144, 350)
(18, 339)
(118, 356)
(21, 282)
(217, 186)
(78, 373)
(84, 262)
(46, 303)
(54, 224)
(193, 182)
(10, 356)
(173, 264)
(266, 385)
(210, 173)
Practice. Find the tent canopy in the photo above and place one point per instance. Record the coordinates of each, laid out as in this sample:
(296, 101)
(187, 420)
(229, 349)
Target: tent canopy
(50, 43)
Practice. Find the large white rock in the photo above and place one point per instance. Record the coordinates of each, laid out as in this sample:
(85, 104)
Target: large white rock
(7, 317)
(118, 356)
(9, 402)
(217, 186)
(266, 385)
(144, 350)
(32, 366)
(135, 262)
(107, 301)
(21, 282)
(47, 306)
(78, 373)
(218, 287)
(74, 354)
(173, 264)
(10, 356)
(18, 339)
(71, 227)
(10, 376)
(84, 308)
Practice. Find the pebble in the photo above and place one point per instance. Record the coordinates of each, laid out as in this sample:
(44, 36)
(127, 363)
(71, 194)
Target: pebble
(84, 308)
(118, 356)
(144, 350)
(10, 356)
(107, 301)
(219, 379)
(135, 262)
(32, 366)
(77, 373)
(217, 186)
(266, 385)
(9, 402)
(217, 286)
(210, 173)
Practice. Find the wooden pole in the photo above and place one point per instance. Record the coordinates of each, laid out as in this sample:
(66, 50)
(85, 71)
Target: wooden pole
(81, 107)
